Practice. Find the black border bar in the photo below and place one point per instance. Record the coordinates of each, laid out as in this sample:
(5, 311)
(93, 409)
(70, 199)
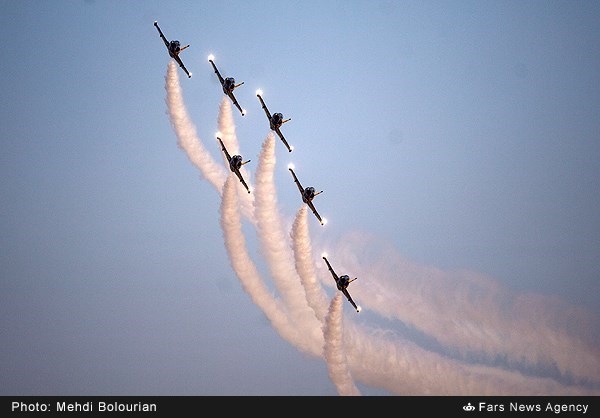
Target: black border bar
(467, 406)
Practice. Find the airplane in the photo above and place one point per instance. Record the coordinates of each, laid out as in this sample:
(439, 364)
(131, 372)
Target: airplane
(342, 283)
(174, 48)
(308, 195)
(228, 85)
(275, 120)
(235, 163)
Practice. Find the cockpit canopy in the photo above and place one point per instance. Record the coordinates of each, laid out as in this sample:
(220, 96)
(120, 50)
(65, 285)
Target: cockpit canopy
(236, 161)
(229, 83)
(309, 193)
(344, 280)
(277, 119)
(174, 47)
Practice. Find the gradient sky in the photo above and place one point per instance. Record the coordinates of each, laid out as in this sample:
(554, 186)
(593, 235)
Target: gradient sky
(464, 134)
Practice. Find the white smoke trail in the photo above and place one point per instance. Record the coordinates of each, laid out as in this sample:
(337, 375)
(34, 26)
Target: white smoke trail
(275, 246)
(228, 134)
(376, 357)
(380, 359)
(186, 131)
(371, 352)
(303, 258)
(471, 315)
(333, 350)
(245, 269)
(227, 126)
(188, 140)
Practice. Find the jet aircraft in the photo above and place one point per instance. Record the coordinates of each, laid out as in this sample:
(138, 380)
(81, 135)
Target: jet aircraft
(228, 85)
(174, 48)
(275, 120)
(342, 283)
(235, 163)
(308, 195)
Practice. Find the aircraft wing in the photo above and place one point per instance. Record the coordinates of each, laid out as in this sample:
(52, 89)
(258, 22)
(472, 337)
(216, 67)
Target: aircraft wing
(224, 150)
(298, 184)
(264, 106)
(283, 140)
(312, 207)
(176, 58)
(237, 172)
(345, 292)
(217, 73)
(161, 35)
(335, 276)
(232, 97)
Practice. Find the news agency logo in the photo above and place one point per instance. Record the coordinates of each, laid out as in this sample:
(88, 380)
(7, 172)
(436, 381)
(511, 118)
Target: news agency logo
(468, 407)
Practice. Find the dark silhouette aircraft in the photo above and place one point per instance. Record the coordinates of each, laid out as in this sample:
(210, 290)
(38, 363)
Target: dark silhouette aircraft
(174, 48)
(228, 85)
(235, 163)
(275, 120)
(342, 283)
(308, 194)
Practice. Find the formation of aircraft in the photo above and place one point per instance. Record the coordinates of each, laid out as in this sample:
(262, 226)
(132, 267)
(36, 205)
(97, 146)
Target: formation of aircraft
(275, 120)
(342, 283)
(308, 194)
(235, 163)
(228, 85)
(174, 47)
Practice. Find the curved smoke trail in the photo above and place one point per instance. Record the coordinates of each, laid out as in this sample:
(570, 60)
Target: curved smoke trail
(189, 141)
(246, 270)
(229, 137)
(379, 357)
(472, 317)
(303, 258)
(274, 242)
(227, 126)
(333, 350)
(399, 376)
(372, 352)
(186, 131)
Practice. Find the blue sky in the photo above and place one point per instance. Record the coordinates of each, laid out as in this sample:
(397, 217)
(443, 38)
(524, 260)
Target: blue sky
(463, 135)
